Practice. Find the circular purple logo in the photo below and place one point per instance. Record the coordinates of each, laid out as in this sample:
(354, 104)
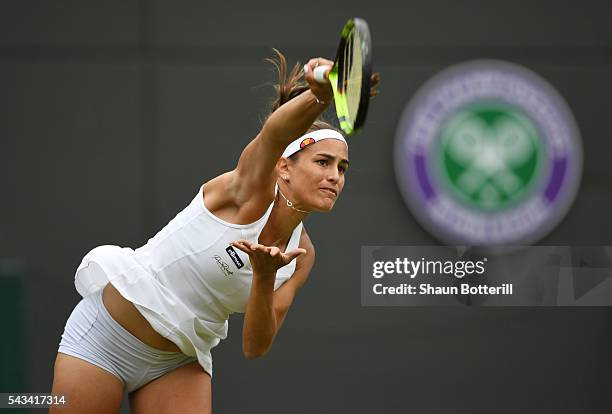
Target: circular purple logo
(488, 153)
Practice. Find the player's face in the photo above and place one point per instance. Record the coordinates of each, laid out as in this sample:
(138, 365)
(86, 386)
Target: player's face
(317, 176)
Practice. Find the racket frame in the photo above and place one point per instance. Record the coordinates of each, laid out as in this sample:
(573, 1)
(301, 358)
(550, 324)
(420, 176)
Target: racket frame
(337, 74)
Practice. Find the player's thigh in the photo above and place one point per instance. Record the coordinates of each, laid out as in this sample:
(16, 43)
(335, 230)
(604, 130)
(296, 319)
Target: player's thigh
(185, 390)
(87, 387)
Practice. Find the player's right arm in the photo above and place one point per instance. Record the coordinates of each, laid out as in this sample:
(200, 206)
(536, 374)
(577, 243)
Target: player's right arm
(243, 194)
(255, 170)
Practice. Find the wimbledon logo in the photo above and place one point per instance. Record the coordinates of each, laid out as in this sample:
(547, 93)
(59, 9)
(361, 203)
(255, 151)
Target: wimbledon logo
(487, 152)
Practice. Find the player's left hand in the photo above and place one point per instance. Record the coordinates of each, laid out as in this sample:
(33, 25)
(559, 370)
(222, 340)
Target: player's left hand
(266, 260)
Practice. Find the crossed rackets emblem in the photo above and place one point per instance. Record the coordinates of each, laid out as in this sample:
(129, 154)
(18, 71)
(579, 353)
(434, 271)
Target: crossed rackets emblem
(490, 158)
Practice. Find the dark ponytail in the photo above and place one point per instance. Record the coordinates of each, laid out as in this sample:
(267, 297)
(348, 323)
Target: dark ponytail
(291, 85)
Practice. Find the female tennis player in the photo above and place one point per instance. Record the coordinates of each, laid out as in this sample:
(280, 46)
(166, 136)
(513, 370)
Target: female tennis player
(149, 317)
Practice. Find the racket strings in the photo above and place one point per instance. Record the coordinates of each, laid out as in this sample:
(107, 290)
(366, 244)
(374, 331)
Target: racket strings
(353, 75)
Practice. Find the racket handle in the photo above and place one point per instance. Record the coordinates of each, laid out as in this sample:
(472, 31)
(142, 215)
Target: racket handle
(320, 73)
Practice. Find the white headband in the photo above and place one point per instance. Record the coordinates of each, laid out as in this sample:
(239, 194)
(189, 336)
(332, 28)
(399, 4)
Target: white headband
(311, 138)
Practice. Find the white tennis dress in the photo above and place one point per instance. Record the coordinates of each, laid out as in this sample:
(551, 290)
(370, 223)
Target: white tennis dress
(187, 279)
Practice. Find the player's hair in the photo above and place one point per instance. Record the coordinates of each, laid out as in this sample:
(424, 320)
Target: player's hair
(291, 85)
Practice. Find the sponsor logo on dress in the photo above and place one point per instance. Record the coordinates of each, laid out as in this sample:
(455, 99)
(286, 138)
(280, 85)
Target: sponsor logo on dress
(222, 265)
(234, 256)
(488, 153)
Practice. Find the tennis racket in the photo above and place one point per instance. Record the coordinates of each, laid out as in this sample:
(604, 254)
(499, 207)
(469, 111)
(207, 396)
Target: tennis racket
(350, 75)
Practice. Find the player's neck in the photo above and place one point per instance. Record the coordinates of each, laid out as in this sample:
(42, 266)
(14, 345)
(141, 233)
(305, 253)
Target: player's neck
(281, 223)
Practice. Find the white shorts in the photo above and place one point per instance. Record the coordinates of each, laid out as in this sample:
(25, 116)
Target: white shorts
(92, 335)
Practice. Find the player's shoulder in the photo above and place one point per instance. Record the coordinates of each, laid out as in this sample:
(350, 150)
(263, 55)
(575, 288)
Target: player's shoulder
(232, 188)
(306, 261)
(220, 189)
(306, 242)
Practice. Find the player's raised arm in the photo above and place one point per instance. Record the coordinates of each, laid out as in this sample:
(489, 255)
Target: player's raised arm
(300, 102)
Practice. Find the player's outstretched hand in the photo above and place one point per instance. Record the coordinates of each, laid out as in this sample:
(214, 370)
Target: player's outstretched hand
(266, 260)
